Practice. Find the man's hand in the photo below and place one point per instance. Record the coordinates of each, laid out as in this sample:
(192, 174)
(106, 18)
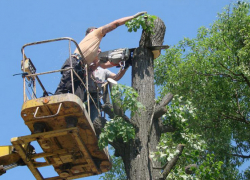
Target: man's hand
(139, 14)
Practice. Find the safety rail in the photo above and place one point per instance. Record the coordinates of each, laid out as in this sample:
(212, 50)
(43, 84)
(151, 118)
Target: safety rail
(35, 75)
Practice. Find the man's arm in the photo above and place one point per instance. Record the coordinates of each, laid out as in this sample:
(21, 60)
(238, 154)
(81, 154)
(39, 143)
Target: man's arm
(118, 76)
(106, 65)
(111, 26)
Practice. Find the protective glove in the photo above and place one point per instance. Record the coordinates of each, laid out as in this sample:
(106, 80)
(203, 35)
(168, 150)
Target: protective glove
(140, 13)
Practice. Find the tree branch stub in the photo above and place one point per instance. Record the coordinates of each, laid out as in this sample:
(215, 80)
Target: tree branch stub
(161, 107)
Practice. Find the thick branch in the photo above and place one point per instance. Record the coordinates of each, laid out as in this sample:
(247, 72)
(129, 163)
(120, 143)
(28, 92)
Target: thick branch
(161, 107)
(108, 108)
(119, 146)
(188, 169)
(172, 162)
(165, 129)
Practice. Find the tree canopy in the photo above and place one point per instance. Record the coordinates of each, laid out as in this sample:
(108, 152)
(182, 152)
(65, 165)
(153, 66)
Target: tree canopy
(211, 73)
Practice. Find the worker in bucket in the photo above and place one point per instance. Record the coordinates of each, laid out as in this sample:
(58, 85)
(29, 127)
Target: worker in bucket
(97, 77)
(89, 46)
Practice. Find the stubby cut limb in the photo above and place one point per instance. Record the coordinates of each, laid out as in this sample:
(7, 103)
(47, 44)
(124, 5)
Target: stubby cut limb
(161, 109)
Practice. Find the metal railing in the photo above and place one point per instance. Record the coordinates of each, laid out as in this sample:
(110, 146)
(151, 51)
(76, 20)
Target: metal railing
(35, 75)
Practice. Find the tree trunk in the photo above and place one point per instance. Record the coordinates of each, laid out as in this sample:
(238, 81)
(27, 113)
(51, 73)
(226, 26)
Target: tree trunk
(138, 164)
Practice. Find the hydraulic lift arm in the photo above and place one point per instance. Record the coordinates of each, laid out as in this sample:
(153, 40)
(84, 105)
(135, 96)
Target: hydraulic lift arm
(9, 158)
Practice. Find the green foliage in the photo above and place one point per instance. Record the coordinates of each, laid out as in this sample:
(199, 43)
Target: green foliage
(180, 115)
(209, 169)
(126, 98)
(145, 22)
(212, 73)
(114, 129)
(247, 173)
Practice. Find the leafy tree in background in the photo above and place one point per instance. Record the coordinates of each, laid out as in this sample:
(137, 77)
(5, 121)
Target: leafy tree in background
(212, 73)
(205, 132)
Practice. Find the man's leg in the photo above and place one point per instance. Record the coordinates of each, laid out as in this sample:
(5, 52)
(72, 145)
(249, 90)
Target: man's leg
(93, 110)
(65, 85)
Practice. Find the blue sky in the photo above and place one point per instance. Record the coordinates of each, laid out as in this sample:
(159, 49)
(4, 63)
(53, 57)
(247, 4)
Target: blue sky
(28, 21)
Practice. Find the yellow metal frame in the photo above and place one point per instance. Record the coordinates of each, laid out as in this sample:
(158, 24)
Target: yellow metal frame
(73, 152)
(5, 150)
(62, 146)
(33, 165)
(8, 156)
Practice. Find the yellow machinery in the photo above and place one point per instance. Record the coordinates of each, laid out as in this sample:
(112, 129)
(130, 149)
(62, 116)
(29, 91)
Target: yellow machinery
(62, 127)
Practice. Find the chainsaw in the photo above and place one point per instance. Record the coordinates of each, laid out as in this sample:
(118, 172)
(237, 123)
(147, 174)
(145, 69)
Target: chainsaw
(117, 57)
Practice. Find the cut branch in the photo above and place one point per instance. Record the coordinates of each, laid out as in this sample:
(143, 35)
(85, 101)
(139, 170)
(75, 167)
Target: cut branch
(161, 107)
(172, 162)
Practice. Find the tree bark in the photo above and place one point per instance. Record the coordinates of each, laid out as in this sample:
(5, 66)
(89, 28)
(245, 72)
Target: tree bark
(136, 153)
(138, 164)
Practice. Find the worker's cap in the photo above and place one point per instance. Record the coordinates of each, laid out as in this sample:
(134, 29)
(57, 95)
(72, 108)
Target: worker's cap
(89, 29)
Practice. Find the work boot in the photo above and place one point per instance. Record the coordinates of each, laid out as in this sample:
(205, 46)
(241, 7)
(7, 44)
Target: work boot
(99, 124)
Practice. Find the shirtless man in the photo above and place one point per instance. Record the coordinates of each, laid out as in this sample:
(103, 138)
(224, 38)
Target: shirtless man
(91, 43)
(89, 46)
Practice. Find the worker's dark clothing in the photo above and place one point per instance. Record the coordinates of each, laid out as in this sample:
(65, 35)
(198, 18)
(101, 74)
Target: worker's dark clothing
(93, 111)
(65, 85)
